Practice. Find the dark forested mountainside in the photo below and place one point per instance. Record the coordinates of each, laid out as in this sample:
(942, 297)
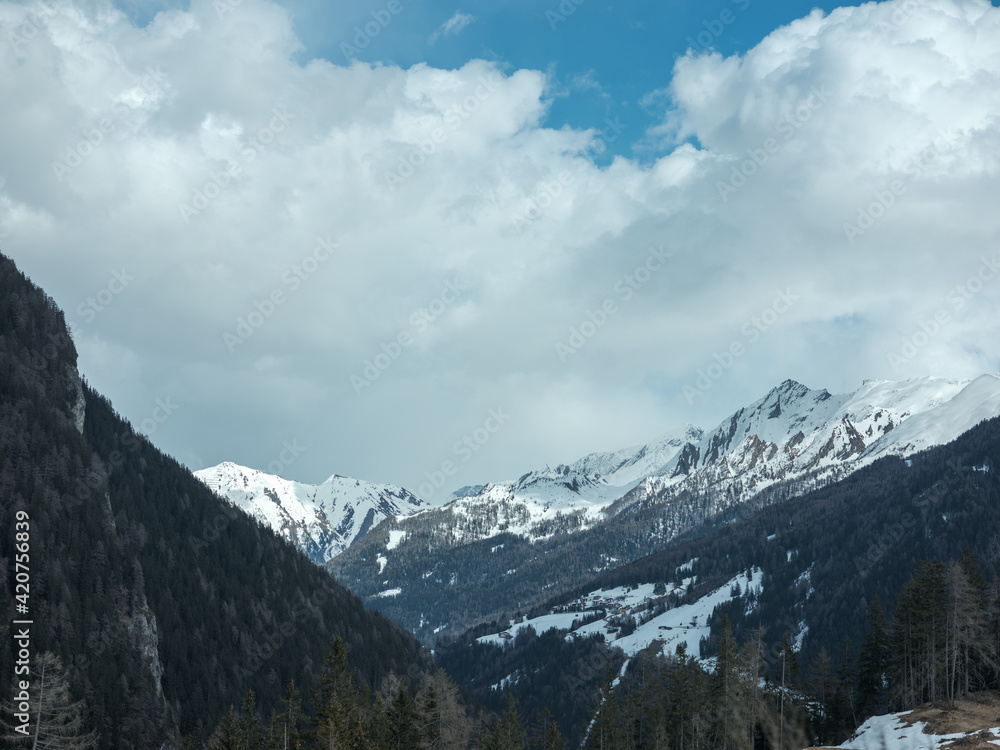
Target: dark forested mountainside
(446, 587)
(940, 647)
(825, 558)
(547, 674)
(164, 604)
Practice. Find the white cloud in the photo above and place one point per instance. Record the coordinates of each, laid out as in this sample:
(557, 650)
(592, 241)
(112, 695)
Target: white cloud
(452, 26)
(425, 177)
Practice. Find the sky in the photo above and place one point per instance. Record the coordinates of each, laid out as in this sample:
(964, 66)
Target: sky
(380, 239)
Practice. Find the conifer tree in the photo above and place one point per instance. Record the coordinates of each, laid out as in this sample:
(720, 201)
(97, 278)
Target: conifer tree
(751, 666)
(429, 716)
(508, 732)
(688, 701)
(227, 734)
(873, 665)
(248, 725)
(791, 659)
(402, 731)
(340, 722)
(56, 720)
(822, 688)
(727, 691)
(970, 651)
(545, 733)
(919, 637)
(287, 725)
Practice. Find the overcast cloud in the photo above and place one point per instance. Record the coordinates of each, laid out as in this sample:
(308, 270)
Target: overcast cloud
(260, 236)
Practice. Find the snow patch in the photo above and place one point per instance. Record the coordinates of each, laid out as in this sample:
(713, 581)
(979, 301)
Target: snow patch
(396, 537)
(890, 732)
(687, 624)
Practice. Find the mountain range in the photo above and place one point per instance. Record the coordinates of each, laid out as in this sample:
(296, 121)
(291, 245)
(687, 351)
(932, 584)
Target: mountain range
(163, 604)
(321, 520)
(504, 546)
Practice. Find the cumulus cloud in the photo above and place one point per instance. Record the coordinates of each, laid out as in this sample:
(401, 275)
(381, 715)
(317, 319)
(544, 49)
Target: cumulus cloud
(368, 258)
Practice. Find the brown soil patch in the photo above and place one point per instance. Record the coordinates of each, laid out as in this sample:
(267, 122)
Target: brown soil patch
(971, 716)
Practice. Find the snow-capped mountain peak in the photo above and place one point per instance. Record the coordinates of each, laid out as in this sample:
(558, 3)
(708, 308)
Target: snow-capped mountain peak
(794, 431)
(557, 526)
(322, 520)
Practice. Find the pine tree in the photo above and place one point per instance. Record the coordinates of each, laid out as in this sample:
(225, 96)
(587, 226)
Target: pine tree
(726, 691)
(545, 733)
(970, 650)
(429, 716)
(287, 726)
(688, 699)
(340, 720)
(248, 725)
(58, 720)
(508, 732)
(791, 660)
(822, 688)
(873, 665)
(843, 716)
(751, 667)
(403, 731)
(227, 734)
(918, 637)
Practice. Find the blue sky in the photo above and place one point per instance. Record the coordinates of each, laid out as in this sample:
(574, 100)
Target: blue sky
(604, 59)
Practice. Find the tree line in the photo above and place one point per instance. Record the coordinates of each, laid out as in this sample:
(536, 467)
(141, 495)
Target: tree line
(347, 716)
(940, 644)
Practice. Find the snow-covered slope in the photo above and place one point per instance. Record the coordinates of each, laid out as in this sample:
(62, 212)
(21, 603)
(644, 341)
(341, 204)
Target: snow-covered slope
(539, 502)
(607, 509)
(791, 435)
(794, 434)
(322, 520)
(978, 401)
(687, 623)
(900, 732)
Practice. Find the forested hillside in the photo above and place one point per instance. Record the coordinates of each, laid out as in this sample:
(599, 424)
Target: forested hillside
(877, 594)
(164, 604)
